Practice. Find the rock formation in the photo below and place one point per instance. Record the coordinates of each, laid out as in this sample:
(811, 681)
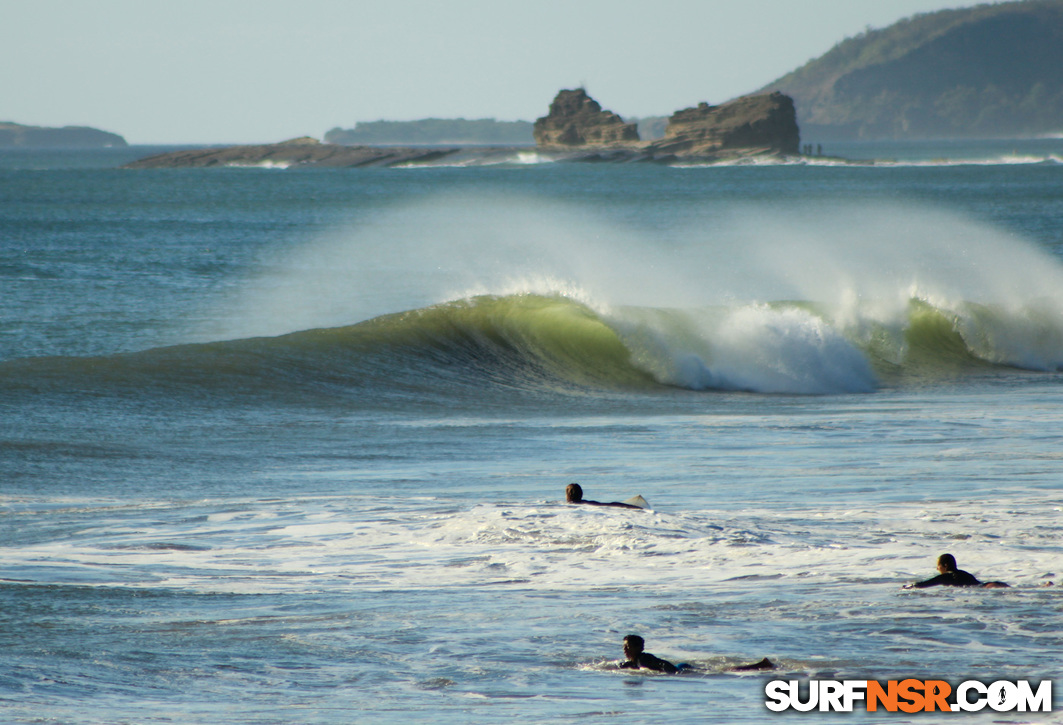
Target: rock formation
(298, 152)
(576, 130)
(301, 141)
(748, 126)
(752, 124)
(577, 120)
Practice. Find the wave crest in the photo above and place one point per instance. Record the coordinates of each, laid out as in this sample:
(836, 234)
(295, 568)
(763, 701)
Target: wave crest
(539, 343)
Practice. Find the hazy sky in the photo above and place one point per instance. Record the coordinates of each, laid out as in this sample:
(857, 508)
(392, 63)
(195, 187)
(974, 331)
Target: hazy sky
(244, 71)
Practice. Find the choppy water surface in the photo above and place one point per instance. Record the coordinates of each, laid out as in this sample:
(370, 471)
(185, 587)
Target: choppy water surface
(282, 446)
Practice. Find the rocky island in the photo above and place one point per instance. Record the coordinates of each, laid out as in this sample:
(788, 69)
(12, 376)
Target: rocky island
(577, 121)
(304, 152)
(751, 126)
(576, 129)
(15, 135)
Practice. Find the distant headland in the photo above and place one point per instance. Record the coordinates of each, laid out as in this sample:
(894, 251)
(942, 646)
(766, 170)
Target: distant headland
(14, 135)
(434, 132)
(988, 71)
(576, 129)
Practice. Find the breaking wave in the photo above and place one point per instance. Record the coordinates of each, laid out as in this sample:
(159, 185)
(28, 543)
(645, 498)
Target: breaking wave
(521, 343)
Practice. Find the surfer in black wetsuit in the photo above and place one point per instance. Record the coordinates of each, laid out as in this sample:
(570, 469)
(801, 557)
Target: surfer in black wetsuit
(574, 494)
(637, 659)
(950, 576)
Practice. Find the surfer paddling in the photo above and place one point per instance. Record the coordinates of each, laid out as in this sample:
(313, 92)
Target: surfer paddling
(574, 494)
(950, 576)
(639, 659)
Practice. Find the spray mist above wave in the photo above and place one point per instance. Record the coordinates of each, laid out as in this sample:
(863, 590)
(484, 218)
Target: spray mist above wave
(851, 271)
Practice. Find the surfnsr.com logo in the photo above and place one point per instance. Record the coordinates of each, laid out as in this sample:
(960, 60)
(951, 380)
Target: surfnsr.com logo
(908, 696)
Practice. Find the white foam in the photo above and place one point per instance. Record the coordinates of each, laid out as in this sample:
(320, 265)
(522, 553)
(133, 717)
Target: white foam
(259, 165)
(329, 543)
(1002, 160)
(754, 348)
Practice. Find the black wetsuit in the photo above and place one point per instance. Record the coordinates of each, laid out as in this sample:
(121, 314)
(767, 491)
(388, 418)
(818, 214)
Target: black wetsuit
(646, 661)
(611, 503)
(955, 578)
(764, 664)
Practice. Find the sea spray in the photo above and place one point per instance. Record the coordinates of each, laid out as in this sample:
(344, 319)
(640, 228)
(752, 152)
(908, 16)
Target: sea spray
(443, 249)
(756, 348)
(780, 299)
(453, 246)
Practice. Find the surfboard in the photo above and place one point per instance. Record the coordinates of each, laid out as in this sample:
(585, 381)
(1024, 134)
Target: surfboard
(637, 500)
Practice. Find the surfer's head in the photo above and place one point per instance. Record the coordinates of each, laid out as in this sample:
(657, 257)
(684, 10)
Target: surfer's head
(633, 646)
(573, 493)
(946, 563)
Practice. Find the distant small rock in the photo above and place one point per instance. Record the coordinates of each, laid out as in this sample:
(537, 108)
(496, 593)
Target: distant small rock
(577, 120)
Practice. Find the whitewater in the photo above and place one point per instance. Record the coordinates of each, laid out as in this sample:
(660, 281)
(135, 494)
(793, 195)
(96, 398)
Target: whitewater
(291, 446)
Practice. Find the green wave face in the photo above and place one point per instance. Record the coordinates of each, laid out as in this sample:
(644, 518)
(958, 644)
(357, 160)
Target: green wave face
(519, 344)
(934, 342)
(530, 338)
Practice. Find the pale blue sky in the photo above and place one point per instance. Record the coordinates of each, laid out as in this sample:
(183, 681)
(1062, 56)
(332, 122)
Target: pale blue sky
(244, 71)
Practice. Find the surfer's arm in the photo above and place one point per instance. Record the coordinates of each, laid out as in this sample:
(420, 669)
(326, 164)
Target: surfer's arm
(764, 664)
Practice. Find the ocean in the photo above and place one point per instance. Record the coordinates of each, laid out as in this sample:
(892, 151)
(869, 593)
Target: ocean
(290, 446)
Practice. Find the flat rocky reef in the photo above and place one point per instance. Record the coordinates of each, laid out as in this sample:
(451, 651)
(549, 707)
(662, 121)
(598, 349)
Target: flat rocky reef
(576, 129)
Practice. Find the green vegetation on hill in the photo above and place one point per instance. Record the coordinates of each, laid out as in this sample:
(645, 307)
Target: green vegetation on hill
(435, 131)
(986, 71)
